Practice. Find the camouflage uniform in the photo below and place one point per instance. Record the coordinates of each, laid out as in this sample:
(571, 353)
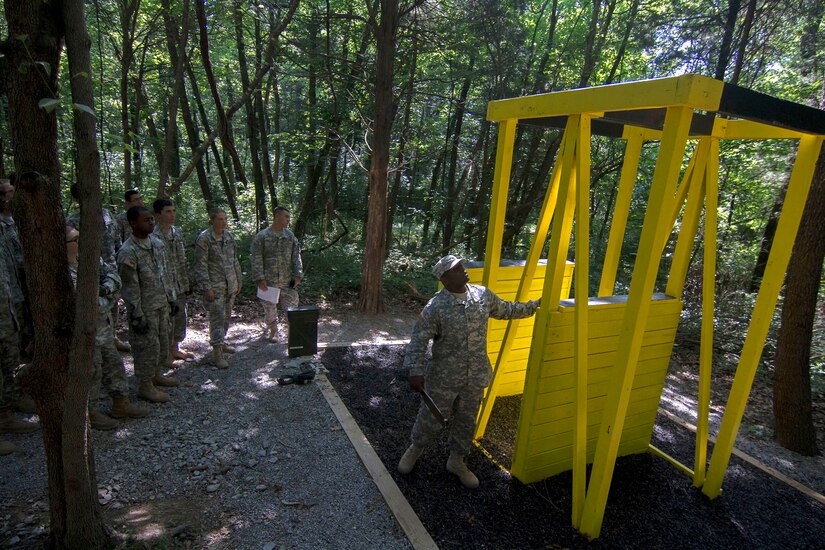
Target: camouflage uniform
(9, 351)
(109, 241)
(12, 254)
(108, 366)
(123, 230)
(276, 258)
(217, 268)
(148, 288)
(176, 249)
(460, 368)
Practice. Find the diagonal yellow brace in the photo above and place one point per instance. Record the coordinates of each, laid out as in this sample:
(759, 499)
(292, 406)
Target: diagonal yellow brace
(498, 204)
(662, 191)
(630, 167)
(778, 259)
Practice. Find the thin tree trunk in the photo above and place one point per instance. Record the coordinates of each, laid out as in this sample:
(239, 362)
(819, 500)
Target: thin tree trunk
(128, 25)
(192, 135)
(452, 192)
(177, 54)
(727, 39)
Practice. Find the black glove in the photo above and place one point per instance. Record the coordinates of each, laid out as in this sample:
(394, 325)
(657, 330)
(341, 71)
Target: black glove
(173, 308)
(139, 325)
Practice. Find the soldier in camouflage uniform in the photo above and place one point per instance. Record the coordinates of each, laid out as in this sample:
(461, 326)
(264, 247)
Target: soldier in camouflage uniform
(276, 262)
(107, 363)
(9, 361)
(149, 293)
(12, 251)
(124, 230)
(172, 236)
(218, 275)
(455, 319)
(109, 240)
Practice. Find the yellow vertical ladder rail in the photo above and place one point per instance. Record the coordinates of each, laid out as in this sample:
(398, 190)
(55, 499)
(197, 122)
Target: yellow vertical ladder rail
(798, 186)
(551, 292)
(540, 237)
(618, 224)
(662, 191)
(498, 203)
(708, 307)
(580, 336)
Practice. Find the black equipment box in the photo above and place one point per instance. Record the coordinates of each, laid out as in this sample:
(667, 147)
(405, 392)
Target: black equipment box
(303, 330)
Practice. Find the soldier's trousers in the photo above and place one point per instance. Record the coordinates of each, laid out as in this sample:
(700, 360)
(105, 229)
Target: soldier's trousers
(108, 371)
(220, 313)
(150, 349)
(460, 406)
(179, 321)
(9, 361)
(288, 297)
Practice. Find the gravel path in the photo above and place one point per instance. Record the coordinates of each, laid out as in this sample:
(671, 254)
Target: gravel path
(234, 460)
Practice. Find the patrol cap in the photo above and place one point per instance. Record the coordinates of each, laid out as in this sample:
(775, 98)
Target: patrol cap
(444, 265)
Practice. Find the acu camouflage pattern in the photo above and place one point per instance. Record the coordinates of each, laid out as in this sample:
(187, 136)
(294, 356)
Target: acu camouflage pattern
(12, 255)
(110, 240)
(9, 350)
(216, 262)
(276, 258)
(217, 268)
(148, 283)
(176, 248)
(460, 368)
(122, 228)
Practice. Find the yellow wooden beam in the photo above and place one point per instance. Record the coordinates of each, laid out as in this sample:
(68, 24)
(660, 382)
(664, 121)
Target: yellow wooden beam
(778, 258)
(553, 278)
(694, 91)
(708, 307)
(630, 167)
(539, 238)
(690, 220)
(749, 129)
(580, 338)
(498, 202)
(663, 187)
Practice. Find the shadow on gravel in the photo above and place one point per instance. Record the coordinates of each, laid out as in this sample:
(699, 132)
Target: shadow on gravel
(650, 504)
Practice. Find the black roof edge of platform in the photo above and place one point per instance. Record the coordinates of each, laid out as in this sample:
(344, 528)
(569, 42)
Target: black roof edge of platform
(613, 122)
(745, 103)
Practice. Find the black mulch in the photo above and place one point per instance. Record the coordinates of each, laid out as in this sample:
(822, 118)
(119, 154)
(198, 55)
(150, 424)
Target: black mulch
(651, 505)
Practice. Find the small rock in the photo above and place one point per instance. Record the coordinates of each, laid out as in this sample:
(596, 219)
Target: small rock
(211, 488)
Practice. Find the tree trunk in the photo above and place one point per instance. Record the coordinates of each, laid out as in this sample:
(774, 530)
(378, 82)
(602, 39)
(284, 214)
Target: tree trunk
(192, 135)
(727, 39)
(59, 376)
(767, 240)
(128, 25)
(452, 192)
(177, 54)
(371, 298)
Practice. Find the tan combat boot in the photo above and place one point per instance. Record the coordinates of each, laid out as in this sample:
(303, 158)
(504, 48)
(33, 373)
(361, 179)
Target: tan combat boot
(101, 421)
(25, 404)
(169, 362)
(177, 353)
(165, 381)
(7, 447)
(217, 357)
(123, 408)
(273, 332)
(10, 425)
(410, 457)
(148, 392)
(228, 349)
(455, 465)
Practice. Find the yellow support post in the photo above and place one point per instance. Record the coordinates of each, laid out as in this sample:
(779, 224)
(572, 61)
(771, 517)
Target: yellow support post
(540, 237)
(498, 204)
(694, 170)
(690, 223)
(582, 278)
(708, 307)
(666, 174)
(630, 166)
(778, 259)
(556, 262)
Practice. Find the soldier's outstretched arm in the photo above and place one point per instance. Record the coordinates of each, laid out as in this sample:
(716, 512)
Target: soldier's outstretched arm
(502, 309)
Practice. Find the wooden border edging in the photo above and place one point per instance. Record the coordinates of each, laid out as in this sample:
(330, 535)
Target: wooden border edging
(752, 461)
(331, 345)
(401, 509)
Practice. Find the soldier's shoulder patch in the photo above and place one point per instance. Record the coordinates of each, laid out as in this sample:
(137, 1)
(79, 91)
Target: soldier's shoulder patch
(202, 243)
(129, 262)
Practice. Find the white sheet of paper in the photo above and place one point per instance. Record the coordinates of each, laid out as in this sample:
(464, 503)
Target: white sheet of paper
(270, 294)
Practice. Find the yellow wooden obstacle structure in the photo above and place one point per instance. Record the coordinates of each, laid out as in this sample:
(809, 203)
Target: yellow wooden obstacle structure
(592, 369)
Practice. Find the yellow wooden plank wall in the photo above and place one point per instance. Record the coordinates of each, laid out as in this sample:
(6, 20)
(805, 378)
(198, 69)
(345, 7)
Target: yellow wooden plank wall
(509, 277)
(551, 435)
